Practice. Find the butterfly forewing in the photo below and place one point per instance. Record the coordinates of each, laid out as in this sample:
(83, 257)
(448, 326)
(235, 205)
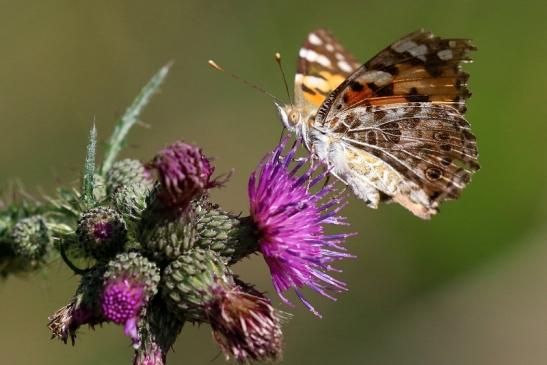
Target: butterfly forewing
(323, 64)
(418, 68)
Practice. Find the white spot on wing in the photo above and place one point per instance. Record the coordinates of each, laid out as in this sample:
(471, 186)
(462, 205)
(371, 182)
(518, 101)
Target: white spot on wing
(312, 56)
(314, 39)
(315, 82)
(380, 78)
(445, 54)
(403, 46)
(323, 61)
(418, 51)
(329, 47)
(344, 66)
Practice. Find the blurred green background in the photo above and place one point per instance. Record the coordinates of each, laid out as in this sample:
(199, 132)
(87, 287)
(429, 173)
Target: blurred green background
(468, 287)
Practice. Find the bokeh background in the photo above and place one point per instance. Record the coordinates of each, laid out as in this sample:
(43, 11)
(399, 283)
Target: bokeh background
(468, 287)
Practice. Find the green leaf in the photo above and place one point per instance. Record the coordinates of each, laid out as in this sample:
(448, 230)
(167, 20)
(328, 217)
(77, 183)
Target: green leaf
(88, 183)
(130, 118)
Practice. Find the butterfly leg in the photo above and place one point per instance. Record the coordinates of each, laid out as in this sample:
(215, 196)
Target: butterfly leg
(313, 157)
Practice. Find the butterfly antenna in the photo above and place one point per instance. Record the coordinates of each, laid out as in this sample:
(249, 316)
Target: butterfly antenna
(215, 66)
(278, 61)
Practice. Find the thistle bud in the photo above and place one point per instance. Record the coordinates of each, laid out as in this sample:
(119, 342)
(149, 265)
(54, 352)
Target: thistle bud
(229, 235)
(30, 238)
(188, 281)
(184, 173)
(127, 172)
(131, 200)
(129, 282)
(170, 237)
(102, 232)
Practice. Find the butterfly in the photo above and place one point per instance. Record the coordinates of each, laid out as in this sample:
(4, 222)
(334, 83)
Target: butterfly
(392, 129)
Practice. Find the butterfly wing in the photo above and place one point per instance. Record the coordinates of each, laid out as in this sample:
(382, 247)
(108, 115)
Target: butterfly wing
(396, 126)
(323, 64)
(424, 153)
(420, 67)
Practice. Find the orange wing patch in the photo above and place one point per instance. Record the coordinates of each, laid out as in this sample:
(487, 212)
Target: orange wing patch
(316, 88)
(323, 64)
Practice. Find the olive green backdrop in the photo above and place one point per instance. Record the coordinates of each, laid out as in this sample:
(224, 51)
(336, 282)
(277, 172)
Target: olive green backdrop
(468, 287)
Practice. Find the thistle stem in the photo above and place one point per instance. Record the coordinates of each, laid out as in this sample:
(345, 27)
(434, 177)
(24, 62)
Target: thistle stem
(69, 263)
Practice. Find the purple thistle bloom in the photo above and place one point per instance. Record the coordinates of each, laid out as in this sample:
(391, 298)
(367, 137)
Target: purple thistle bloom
(122, 302)
(244, 323)
(184, 173)
(290, 221)
(66, 321)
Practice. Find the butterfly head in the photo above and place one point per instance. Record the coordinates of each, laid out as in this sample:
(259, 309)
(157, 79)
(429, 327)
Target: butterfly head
(290, 116)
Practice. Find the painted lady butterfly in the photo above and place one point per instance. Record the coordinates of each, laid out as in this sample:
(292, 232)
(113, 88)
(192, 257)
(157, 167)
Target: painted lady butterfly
(392, 129)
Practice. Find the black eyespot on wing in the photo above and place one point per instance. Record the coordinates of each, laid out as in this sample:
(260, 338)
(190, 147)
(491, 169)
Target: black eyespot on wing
(356, 86)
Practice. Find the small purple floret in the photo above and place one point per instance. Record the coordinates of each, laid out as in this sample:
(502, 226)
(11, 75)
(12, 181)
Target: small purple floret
(121, 303)
(290, 220)
(102, 230)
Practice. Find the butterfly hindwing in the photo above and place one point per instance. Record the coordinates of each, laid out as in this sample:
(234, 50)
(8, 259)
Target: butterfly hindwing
(323, 64)
(430, 145)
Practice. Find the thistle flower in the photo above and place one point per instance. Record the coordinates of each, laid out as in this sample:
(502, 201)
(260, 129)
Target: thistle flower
(184, 173)
(122, 302)
(290, 221)
(65, 322)
(130, 281)
(245, 325)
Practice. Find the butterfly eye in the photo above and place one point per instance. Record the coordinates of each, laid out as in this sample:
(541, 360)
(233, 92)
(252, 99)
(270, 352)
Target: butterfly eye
(293, 117)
